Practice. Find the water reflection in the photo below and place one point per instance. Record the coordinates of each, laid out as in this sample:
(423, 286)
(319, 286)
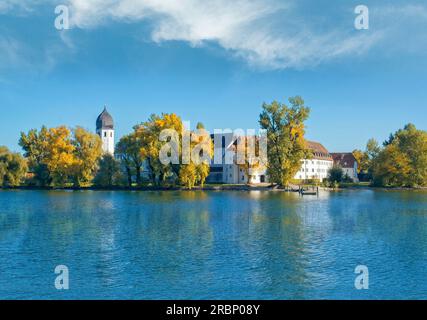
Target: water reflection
(234, 245)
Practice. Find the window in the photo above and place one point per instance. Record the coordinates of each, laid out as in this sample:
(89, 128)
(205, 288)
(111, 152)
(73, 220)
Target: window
(111, 134)
(105, 134)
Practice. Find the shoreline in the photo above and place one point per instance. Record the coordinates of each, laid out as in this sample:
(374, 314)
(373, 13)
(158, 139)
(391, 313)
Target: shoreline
(209, 188)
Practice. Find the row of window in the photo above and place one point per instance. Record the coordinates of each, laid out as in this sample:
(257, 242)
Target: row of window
(312, 170)
(318, 162)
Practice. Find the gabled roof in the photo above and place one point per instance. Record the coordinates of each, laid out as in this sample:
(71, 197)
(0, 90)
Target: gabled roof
(344, 159)
(319, 151)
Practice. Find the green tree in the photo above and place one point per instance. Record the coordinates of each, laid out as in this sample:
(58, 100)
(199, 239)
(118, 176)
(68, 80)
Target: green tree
(13, 168)
(365, 158)
(124, 150)
(285, 136)
(34, 144)
(108, 173)
(335, 174)
(129, 151)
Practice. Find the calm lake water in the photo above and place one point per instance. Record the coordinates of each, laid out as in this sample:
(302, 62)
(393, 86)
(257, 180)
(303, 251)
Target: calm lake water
(213, 245)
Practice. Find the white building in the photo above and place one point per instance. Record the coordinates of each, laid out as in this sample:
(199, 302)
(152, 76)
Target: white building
(228, 171)
(318, 166)
(105, 129)
(348, 163)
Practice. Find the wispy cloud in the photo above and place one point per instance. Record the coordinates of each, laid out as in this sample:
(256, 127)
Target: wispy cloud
(11, 52)
(268, 34)
(262, 32)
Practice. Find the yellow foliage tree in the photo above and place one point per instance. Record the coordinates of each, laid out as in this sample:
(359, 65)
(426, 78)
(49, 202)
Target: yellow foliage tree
(252, 162)
(57, 158)
(60, 158)
(88, 151)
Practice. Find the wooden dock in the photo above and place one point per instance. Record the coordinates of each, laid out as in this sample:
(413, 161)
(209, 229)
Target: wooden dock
(309, 191)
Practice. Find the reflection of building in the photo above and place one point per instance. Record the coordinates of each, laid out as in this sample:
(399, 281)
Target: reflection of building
(318, 166)
(105, 129)
(348, 163)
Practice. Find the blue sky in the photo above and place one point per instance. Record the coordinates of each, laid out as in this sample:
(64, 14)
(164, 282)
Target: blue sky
(214, 62)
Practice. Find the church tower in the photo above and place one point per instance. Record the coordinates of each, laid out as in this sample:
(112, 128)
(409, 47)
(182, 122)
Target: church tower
(105, 129)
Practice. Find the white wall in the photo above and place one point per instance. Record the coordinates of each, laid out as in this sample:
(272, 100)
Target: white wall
(314, 169)
(352, 173)
(107, 137)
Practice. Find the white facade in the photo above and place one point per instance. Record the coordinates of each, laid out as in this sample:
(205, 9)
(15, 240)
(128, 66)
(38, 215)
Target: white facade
(351, 173)
(314, 169)
(233, 174)
(107, 137)
(105, 129)
(228, 171)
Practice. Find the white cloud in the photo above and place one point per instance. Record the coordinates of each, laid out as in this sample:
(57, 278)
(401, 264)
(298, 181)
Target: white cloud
(21, 6)
(247, 29)
(264, 33)
(10, 52)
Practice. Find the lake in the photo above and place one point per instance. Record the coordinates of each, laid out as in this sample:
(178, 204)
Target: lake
(213, 245)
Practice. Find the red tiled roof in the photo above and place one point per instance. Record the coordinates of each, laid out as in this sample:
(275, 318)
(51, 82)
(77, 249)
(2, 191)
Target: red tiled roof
(344, 159)
(319, 151)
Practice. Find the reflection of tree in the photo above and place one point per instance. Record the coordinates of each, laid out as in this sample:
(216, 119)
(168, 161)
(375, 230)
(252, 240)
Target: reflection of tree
(169, 241)
(209, 244)
(272, 241)
(13, 222)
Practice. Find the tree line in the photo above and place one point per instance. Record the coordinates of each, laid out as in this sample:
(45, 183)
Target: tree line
(401, 161)
(61, 157)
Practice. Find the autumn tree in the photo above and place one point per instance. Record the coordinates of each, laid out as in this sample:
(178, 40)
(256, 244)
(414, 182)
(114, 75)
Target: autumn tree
(365, 158)
(285, 136)
(202, 150)
(149, 135)
(13, 168)
(188, 175)
(202, 172)
(252, 160)
(60, 158)
(88, 151)
(391, 167)
(56, 157)
(403, 160)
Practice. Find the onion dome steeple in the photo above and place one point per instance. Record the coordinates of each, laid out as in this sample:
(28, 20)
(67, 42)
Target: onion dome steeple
(104, 121)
